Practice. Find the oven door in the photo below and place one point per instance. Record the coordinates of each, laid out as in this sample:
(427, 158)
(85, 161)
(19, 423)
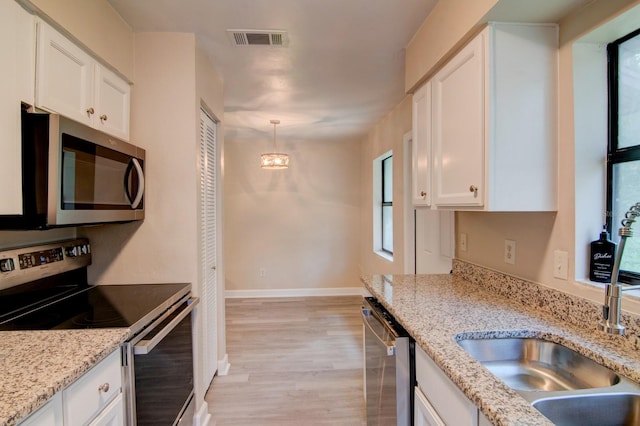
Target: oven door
(159, 370)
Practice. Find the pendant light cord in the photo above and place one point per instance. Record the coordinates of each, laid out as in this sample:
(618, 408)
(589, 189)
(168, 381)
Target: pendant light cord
(275, 145)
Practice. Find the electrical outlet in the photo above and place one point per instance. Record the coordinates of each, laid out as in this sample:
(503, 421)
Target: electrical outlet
(262, 272)
(463, 242)
(510, 252)
(561, 264)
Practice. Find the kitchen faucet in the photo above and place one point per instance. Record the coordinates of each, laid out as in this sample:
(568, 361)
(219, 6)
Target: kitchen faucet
(613, 292)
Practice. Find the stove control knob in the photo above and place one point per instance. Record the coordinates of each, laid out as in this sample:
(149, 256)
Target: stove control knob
(83, 249)
(7, 265)
(72, 251)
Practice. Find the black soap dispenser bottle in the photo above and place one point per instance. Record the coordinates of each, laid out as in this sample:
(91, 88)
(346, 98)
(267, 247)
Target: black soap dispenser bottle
(602, 258)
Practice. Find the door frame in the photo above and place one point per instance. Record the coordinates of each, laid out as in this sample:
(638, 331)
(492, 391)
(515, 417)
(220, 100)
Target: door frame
(409, 209)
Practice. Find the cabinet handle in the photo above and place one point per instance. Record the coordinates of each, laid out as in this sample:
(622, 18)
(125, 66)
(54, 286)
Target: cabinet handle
(474, 189)
(423, 194)
(103, 117)
(104, 387)
(90, 111)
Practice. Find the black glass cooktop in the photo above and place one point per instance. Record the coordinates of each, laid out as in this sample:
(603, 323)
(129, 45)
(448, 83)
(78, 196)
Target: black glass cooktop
(81, 307)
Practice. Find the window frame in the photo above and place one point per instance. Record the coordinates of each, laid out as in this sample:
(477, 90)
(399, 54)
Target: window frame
(384, 203)
(617, 155)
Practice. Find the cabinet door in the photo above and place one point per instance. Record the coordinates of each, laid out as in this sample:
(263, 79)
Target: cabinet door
(421, 146)
(112, 97)
(458, 128)
(49, 414)
(112, 415)
(64, 76)
(451, 405)
(92, 392)
(17, 44)
(423, 413)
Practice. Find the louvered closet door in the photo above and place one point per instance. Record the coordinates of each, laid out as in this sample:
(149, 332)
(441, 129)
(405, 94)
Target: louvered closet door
(208, 245)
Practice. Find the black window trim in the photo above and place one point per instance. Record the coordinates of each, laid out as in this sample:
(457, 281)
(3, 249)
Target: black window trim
(617, 155)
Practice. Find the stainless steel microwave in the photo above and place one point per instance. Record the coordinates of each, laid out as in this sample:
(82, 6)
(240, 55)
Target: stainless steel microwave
(75, 175)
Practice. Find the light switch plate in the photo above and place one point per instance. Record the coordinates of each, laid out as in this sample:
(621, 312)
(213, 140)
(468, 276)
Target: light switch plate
(463, 242)
(561, 264)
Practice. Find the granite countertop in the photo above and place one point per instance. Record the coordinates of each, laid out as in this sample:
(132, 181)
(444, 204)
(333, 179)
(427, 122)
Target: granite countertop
(34, 365)
(438, 309)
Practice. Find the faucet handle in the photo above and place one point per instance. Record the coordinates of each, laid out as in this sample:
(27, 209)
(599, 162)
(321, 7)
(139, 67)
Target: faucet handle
(605, 312)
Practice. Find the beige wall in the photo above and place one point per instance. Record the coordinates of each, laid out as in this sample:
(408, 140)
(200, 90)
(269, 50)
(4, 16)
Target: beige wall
(162, 248)
(96, 25)
(447, 27)
(386, 135)
(301, 224)
(9, 239)
(173, 79)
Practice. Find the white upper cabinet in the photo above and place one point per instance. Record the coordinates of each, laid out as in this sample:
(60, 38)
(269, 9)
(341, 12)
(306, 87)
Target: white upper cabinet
(421, 146)
(71, 83)
(458, 128)
(17, 75)
(494, 122)
(112, 98)
(64, 76)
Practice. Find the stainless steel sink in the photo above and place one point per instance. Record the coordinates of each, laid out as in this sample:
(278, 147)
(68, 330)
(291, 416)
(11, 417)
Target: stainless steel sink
(587, 410)
(568, 388)
(528, 364)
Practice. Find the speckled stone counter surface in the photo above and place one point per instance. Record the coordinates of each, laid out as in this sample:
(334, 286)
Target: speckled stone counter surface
(438, 310)
(34, 365)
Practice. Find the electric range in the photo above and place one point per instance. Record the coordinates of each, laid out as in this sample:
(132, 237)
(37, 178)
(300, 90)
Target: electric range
(45, 287)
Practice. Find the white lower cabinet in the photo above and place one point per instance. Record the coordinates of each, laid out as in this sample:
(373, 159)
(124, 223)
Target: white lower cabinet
(92, 392)
(424, 414)
(50, 414)
(94, 399)
(482, 420)
(437, 400)
(112, 415)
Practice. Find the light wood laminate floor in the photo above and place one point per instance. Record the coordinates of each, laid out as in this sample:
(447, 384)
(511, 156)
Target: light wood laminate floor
(294, 361)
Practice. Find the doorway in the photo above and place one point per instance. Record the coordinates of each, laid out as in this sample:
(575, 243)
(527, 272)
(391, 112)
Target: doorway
(429, 233)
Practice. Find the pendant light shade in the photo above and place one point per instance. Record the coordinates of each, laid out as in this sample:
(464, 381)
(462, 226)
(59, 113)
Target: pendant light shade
(274, 160)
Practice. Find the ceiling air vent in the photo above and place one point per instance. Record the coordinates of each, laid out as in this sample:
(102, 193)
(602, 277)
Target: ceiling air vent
(258, 38)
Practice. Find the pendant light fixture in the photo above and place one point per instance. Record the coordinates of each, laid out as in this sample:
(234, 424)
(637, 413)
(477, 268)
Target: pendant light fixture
(274, 160)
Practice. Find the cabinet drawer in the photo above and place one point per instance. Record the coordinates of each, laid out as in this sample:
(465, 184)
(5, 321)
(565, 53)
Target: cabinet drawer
(93, 391)
(452, 406)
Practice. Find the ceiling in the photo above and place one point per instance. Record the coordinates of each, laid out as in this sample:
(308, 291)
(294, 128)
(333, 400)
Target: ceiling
(341, 71)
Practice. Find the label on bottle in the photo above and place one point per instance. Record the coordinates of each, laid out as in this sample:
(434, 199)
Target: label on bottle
(601, 266)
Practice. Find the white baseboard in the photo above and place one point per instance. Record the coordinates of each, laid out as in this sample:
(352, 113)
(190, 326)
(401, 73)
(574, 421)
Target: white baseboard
(223, 365)
(202, 417)
(294, 292)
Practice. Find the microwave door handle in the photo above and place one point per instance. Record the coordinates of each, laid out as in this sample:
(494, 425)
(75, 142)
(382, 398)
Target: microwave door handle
(136, 201)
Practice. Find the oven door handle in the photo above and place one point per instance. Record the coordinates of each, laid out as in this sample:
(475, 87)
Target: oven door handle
(145, 346)
(390, 346)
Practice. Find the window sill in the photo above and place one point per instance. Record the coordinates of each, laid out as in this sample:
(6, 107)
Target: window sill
(384, 255)
(635, 294)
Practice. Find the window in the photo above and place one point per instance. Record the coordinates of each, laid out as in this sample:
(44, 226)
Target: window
(383, 205)
(623, 159)
(387, 204)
